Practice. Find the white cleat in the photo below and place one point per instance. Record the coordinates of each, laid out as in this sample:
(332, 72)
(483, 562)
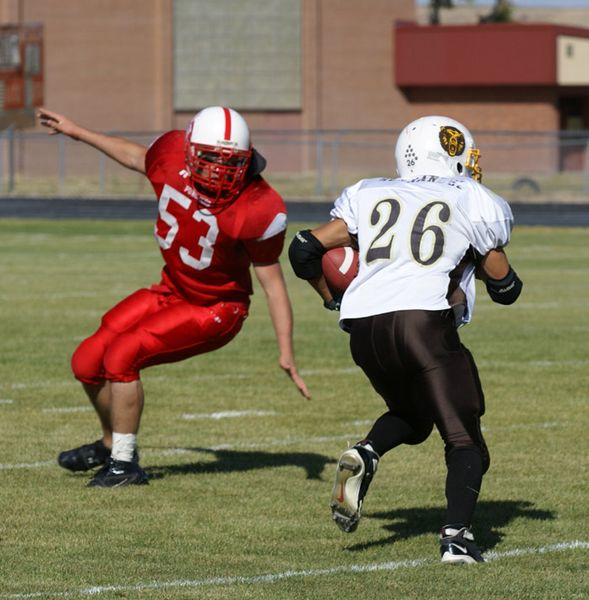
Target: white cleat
(355, 470)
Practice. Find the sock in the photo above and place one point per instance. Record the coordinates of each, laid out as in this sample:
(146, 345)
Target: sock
(463, 483)
(123, 446)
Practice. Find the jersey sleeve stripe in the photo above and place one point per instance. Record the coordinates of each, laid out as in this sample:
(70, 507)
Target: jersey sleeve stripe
(278, 224)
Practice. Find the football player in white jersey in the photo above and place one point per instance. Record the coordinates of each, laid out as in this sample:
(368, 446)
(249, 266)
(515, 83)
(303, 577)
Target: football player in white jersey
(422, 239)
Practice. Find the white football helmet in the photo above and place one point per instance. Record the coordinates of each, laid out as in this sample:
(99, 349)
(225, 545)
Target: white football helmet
(437, 145)
(218, 153)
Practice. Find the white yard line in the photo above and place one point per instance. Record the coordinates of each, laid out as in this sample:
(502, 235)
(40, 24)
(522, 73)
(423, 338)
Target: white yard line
(33, 465)
(540, 364)
(525, 426)
(274, 442)
(190, 451)
(327, 371)
(68, 409)
(306, 372)
(482, 363)
(227, 580)
(39, 384)
(198, 377)
(228, 414)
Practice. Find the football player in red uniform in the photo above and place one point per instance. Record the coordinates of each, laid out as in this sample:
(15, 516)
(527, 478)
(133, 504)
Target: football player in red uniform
(217, 216)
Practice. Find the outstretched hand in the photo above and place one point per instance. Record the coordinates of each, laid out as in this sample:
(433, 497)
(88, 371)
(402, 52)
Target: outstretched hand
(56, 123)
(290, 369)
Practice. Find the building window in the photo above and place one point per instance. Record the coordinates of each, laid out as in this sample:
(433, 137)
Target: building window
(241, 54)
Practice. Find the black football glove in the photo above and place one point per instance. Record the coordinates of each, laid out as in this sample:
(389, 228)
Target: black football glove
(333, 304)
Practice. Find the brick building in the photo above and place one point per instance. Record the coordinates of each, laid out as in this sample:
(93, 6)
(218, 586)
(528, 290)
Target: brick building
(291, 67)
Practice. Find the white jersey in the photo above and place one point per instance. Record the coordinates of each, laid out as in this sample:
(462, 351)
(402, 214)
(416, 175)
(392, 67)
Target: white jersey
(412, 236)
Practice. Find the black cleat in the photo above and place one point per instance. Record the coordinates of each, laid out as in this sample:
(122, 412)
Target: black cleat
(119, 473)
(457, 546)
(84, 457)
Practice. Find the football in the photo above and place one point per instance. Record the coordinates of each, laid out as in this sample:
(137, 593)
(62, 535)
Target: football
(340, 266)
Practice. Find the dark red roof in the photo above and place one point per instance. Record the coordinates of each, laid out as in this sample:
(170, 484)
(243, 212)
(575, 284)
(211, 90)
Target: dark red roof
(505, 54)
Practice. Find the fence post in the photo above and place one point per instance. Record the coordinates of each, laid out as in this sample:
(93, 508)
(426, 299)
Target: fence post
(319, 165)
(102, 173)
(586, 168)
(334, 164)
(61, 163)
(2, 162)
(11, 160)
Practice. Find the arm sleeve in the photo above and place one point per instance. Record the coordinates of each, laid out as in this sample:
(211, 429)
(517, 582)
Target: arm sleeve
(263, 221)
(265, 251)
(490, 217)
(162, 149)
(345, 208)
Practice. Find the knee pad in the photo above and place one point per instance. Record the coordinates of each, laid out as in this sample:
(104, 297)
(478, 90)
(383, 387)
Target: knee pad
(422, 431)
(481, 450)
(86, 362)
(121, 358)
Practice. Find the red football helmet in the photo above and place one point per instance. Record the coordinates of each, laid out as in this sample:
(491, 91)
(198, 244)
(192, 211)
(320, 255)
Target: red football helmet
(218, 153)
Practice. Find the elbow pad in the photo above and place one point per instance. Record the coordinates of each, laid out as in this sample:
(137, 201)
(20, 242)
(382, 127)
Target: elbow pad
(506, 290)
(305, 253)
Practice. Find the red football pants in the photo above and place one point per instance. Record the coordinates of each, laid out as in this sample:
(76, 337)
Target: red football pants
(150, 328)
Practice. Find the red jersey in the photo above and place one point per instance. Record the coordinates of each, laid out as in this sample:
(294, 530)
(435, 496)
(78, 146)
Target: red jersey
(208, 255)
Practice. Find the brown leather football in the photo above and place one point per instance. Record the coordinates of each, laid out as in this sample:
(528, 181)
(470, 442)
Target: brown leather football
(340, 266)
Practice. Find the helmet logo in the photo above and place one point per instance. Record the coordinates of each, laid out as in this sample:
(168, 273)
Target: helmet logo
(452, 140)
(227, 143)
(410, 156)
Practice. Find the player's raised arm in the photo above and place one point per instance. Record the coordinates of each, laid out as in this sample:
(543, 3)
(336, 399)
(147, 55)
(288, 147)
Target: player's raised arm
(272, 281)
(124, 151)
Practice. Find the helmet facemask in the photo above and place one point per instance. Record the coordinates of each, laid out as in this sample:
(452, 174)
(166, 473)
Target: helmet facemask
(471, 164)
(217, 173)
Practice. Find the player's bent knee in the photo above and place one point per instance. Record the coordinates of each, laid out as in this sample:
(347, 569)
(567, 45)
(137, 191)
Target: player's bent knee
(480, 450)
(422, 431)
(86, 362)
(121, 360)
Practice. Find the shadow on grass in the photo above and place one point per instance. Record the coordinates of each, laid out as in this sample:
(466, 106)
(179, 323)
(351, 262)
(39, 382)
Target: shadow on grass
(233, 461)
(491, 516)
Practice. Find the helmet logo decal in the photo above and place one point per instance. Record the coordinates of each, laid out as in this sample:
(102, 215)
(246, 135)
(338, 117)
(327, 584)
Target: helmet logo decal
(452, 140)
(410, 156)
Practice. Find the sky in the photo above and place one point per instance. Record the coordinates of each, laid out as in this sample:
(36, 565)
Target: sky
(528, 3)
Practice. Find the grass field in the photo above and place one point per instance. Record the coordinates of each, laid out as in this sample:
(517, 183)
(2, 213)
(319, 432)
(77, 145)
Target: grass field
(241, 466)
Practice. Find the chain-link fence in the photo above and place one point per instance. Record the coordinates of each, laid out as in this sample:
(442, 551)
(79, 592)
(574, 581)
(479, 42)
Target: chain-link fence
(535, 166)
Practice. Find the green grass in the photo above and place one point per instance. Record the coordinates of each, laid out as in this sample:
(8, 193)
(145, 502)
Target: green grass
(248, 496)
